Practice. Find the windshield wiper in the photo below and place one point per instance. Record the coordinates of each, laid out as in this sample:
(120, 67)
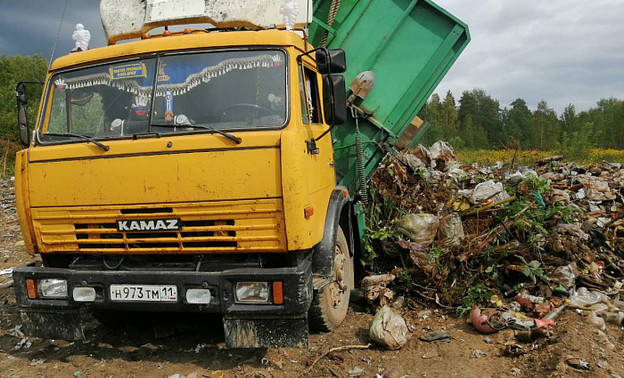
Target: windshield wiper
(212, 130)
(85, 137)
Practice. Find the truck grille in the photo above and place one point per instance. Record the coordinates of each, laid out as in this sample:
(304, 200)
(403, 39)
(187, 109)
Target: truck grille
(241, 226)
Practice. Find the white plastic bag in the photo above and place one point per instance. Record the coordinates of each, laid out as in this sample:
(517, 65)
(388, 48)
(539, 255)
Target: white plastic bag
(389, 329)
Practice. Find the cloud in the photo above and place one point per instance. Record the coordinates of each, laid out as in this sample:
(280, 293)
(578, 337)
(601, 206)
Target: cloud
(559, 51)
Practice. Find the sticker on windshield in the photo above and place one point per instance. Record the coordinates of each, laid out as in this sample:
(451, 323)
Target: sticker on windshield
(277, 60)
(139, 105)
(130, 70)
(60, 84)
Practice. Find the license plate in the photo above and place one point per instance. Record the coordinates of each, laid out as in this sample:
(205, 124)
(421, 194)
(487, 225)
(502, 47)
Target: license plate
(144, 293)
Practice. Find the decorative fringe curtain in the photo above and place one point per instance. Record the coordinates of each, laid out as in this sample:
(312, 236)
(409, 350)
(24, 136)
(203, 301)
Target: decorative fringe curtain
(204, 76)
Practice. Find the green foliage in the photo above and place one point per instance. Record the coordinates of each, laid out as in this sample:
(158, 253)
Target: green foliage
(379, 208)
(477, 295)
(529, 212)
(533, 270)
(537, 184)
(578, 144)
(14, 69)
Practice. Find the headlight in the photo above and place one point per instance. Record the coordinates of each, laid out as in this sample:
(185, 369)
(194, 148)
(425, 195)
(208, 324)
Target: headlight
(252, 292)
(52, 288)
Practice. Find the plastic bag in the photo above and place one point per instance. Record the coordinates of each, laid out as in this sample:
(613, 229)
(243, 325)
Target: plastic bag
(597, 321)
(451, 229)
(421, 228)
(564, 275)
(584, 298)
(389, 329)
(488, 191)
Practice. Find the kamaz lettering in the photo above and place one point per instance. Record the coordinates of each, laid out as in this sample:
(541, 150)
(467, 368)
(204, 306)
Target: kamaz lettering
(149, 225)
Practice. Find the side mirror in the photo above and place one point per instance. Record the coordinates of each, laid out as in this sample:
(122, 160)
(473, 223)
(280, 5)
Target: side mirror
(334, 99)
(22, 111)
(20, 93)
(24, 131)
(331, 61)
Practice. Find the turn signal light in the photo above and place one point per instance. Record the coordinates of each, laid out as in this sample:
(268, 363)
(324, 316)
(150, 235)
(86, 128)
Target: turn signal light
(308, 211)
(31, 289)
(278, 292)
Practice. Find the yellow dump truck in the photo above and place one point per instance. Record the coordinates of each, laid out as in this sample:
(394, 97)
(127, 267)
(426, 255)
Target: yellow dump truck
(195, 171)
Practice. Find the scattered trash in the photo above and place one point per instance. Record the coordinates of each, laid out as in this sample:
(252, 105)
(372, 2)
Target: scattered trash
(199, 347)
(435, 336)
(430, 354)
(488, 191)
(577, 363)
(511, 256)
(583, 298)
(564, 275)
(420, 228)
(389, 329)
(597, 321)
(486, 320)
(515, 350)
(478, 353)
(451, 230)
(376, 290)
(356, 372)
(23, 343)
(16, 331)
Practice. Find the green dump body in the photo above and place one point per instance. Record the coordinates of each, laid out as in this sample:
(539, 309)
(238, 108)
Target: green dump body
(409, 45)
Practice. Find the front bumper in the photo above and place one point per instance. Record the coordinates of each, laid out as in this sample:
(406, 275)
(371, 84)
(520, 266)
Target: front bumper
(45, 317)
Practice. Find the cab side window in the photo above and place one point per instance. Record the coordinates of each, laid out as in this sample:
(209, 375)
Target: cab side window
(310, 100)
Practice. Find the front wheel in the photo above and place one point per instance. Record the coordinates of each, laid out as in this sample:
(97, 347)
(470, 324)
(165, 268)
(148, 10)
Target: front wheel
(329, 307)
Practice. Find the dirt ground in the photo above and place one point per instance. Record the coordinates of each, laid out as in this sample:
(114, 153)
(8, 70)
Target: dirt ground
(197, 348)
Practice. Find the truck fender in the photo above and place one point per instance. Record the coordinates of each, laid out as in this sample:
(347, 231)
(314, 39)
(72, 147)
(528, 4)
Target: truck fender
(338, 214)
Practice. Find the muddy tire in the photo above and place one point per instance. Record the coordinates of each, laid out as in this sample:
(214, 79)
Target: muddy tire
(329, 307)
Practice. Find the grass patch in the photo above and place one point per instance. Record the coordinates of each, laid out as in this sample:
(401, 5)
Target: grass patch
(529, 157)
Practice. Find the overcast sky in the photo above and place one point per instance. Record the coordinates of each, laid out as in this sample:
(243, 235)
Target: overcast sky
(560, 51)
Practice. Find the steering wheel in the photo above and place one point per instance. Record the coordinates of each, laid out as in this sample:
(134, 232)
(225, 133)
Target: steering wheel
(250, 108)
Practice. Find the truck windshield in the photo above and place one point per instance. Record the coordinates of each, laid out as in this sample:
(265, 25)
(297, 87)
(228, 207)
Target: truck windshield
(183, 93)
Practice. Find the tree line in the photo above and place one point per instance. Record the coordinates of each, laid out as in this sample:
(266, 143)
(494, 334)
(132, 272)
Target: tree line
(479, 122)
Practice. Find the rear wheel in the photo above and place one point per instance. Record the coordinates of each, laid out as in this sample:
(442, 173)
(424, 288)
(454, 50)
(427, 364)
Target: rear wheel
(329, 307)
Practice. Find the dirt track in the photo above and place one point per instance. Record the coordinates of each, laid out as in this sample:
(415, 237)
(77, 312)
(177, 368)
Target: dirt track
(197, 349)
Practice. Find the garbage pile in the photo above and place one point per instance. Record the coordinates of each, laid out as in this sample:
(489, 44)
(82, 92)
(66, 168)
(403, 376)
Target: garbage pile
(509, 246)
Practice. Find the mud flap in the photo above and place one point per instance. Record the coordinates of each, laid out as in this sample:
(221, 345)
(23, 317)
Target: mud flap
(264, 333)
(60, 324)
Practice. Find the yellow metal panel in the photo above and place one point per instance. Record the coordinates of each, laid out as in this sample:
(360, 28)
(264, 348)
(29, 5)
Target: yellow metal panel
(78, 177)
(307, 179)
(166, 144)
(22, 202)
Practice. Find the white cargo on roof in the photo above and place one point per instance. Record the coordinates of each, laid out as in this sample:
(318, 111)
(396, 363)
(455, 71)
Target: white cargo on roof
(124, 19)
